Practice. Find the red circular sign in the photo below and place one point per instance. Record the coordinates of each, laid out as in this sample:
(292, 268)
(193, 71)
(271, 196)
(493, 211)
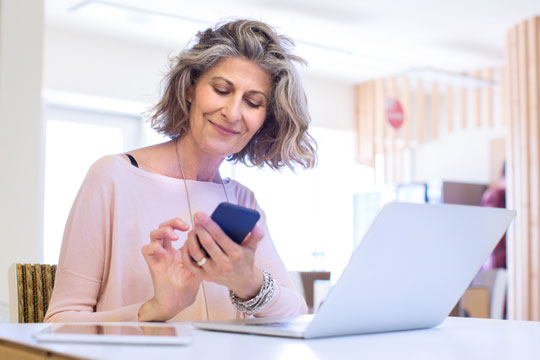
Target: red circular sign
(394, 113)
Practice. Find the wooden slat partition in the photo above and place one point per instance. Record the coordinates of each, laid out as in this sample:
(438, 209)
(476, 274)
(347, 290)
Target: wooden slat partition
(376, 136)
(523, 169)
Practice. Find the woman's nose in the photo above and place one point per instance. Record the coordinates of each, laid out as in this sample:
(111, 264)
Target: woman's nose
(232, 108)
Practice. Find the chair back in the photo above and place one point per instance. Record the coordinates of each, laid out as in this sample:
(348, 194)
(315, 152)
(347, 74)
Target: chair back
(303, 282)
(30, 288)
(496, 282)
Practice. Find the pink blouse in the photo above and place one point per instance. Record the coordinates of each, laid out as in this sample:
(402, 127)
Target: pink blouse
(102, 275)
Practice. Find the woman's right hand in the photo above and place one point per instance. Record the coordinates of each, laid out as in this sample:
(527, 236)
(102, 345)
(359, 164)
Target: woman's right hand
(175, 288)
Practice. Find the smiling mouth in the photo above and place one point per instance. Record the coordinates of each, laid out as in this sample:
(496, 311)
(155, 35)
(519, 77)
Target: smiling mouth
(224, 130)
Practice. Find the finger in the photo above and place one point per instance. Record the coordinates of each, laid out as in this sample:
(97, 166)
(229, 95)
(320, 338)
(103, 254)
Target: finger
(194, 248)
(253, 238)
(176, 224)
(190, 265)
(208, 243)
(225, 243)
(163, 233)
(164, 236)
(152, 249)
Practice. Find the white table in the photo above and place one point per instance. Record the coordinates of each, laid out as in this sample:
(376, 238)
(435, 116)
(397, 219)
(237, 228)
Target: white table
(455, 338)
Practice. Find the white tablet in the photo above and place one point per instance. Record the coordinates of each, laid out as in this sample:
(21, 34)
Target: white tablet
(115, 333)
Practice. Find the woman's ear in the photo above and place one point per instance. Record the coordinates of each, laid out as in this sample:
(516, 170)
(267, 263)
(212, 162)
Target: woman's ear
(189, 94)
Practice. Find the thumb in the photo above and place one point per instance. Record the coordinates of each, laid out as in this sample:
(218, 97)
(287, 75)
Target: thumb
(253, 238)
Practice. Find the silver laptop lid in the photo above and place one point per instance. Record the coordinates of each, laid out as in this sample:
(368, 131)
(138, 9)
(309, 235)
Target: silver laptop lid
(411, 268)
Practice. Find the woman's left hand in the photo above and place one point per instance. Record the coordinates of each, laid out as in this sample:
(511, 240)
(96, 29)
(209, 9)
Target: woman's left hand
(227, 263)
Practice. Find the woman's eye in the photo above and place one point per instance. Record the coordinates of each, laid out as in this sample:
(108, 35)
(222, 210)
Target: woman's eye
(253, 104)
(220, 91)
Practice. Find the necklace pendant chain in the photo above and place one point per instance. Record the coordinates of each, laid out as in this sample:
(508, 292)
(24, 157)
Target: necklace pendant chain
(185, 182)
(191, 213)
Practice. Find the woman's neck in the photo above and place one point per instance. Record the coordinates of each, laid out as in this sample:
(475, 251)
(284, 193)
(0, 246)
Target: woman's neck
(196, 164)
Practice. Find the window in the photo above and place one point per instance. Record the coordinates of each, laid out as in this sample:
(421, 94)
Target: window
(75, 138)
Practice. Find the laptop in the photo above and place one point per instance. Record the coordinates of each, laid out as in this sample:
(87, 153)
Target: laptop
(412, 266)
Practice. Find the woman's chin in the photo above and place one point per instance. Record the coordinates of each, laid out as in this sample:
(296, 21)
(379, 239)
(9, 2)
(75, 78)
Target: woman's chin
(221, 151)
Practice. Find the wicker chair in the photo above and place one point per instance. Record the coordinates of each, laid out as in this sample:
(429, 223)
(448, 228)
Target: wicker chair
(30, 288)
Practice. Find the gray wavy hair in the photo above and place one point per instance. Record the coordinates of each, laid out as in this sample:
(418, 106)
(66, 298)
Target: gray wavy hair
(283, 139)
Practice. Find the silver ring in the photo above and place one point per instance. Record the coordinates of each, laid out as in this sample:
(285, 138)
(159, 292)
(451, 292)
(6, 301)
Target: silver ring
(202, 261)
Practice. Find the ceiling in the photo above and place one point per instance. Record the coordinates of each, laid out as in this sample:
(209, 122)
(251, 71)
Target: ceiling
(349, 40)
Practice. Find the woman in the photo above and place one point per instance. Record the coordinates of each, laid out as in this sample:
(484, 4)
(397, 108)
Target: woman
(235, 94)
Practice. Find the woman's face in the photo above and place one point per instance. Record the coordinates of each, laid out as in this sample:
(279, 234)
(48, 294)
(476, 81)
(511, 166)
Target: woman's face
(228, 106)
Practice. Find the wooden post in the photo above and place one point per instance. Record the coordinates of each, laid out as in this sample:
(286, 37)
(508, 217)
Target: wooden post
(379, 116)
(449, 108)
(371, 121)
(434, 112)
(463, 107)
(523, 205)
(534, 164)
(477, 96)
(488, 75)
(394, 176)
(357, 122)
(523, 169)
(406, 112)
(420, 112)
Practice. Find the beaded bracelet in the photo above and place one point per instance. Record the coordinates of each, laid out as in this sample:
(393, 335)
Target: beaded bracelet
(257, 303)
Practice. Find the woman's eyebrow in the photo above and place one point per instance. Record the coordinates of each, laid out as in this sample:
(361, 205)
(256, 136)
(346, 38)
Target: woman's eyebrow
(230, 83)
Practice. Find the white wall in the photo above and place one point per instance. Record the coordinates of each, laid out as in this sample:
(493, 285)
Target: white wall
(331, 103)
(462, 155)
(86, 64)
(21, 135)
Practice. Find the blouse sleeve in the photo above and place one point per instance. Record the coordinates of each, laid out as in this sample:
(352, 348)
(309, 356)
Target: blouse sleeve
(286, 300)
(85, 252)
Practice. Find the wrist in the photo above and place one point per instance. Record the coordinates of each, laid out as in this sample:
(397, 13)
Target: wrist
(151, 311)
(251, 289)
(258, 302)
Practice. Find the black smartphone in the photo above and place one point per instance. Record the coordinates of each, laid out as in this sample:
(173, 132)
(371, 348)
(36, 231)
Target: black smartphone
(236, 221)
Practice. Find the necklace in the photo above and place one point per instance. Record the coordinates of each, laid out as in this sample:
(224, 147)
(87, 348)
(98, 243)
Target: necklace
(191, 212)
(185, 182)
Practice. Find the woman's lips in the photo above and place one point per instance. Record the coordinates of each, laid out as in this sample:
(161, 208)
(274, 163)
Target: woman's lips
(224, 130)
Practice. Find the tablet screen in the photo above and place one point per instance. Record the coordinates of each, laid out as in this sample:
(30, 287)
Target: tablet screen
(114, 333)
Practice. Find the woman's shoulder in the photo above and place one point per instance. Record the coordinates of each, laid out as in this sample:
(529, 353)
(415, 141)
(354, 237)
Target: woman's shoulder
(108, 163)
(107, 167)
(244, 195)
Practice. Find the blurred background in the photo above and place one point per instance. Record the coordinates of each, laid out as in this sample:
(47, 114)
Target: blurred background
(410, 101)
